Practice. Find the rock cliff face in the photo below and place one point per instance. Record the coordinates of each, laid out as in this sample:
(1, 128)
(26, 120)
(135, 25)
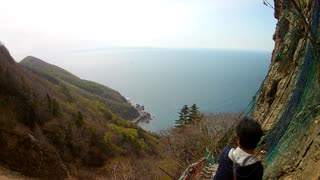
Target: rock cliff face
(287, 104)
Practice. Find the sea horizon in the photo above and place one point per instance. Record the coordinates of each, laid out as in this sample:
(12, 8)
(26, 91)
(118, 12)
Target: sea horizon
(163, 80)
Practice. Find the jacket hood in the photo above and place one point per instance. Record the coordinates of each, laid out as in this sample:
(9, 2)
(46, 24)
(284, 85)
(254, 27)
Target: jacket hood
(248, 168)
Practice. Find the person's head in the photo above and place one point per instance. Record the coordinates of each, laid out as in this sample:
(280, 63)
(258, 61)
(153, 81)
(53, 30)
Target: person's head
(249, 133)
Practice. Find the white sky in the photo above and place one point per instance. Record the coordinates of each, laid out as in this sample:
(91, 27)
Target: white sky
(35, 27)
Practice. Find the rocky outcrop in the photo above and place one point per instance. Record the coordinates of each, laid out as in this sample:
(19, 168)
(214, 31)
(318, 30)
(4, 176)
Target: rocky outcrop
(288, 102)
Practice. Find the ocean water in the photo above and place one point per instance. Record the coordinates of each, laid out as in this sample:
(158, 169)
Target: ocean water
(165, 79)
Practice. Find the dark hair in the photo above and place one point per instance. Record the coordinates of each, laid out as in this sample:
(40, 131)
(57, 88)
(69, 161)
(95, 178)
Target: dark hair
(249, 133)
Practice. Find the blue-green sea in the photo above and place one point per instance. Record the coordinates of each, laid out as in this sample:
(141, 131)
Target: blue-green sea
(165, 79)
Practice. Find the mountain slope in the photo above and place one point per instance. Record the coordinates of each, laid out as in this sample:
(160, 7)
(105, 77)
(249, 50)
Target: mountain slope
(111, 98)
(50, 127)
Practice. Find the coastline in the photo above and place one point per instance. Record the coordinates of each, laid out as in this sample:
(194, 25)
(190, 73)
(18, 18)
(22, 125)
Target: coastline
(144, 116)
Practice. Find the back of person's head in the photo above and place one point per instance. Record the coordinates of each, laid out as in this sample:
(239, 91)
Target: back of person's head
(249, 133)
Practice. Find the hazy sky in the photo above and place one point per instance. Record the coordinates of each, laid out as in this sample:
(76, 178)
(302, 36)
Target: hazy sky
(37, 27)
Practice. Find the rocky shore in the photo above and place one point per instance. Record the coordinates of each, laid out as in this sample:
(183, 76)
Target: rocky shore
(144, 117)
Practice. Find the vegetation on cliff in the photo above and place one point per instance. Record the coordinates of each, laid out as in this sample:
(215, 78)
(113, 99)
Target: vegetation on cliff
(55, 124)
(178, 148)
(69, 83)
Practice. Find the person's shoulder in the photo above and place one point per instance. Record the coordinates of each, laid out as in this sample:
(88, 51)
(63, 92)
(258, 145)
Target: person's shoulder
(258, 164)
(258, 168)
(224, 153)
(225, 165)
(252, 171)
(226, 149)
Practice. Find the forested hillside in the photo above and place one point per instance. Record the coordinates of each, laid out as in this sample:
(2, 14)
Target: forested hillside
(54, 124)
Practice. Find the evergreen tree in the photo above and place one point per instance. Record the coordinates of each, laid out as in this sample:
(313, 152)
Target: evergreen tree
(194, 113)
(178, 122)
(185, 112)
(183, 116)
